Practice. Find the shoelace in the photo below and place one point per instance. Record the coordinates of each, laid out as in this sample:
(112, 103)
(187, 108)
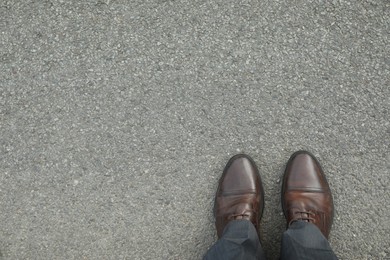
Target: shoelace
(245, 214)
(308, 218)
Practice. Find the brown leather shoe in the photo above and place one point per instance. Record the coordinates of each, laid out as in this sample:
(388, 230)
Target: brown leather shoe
(240, 193)
(306, 194)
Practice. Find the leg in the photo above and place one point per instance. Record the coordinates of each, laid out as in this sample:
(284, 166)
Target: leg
(304, 240)
(239, 241)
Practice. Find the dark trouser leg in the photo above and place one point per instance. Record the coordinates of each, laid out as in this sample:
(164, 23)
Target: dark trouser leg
(239, 241)
(303, 240)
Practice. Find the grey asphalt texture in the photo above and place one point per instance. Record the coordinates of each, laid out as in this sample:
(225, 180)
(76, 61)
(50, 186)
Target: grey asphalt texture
(118, 117)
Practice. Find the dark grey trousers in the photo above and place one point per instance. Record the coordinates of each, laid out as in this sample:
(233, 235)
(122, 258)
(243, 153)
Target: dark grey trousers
(301, 240)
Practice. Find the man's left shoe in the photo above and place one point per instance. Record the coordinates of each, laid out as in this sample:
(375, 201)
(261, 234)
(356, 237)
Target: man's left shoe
(240, 193)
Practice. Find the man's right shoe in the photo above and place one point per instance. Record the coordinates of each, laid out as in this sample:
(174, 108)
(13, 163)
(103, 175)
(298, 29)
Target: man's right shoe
(306, 194)
(240, 193)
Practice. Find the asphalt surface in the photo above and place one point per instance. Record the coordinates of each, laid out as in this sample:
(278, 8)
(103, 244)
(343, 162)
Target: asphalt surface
(117, 118)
